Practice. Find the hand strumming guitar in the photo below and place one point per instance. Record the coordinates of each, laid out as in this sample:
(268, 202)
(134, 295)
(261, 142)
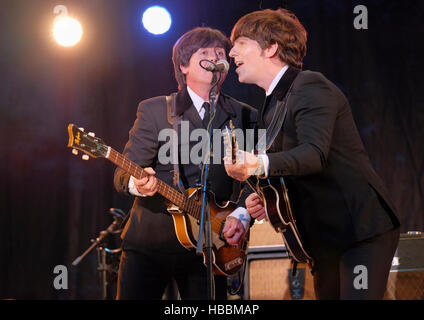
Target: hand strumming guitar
(255, 207)
(233, 231)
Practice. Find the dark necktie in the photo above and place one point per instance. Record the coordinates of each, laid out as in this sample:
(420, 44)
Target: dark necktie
(207, 114)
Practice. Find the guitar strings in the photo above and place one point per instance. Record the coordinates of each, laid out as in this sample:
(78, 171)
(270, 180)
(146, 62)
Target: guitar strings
(163, 188)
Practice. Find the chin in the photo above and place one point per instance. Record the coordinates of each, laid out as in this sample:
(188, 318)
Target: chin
(245, 80)
(241, 79)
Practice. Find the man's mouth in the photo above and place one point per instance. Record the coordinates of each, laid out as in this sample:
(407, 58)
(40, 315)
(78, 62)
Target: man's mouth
(238, 65)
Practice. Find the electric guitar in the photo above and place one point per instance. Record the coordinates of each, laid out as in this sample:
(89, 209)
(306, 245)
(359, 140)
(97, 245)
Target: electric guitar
(274, 194)
(185, 210)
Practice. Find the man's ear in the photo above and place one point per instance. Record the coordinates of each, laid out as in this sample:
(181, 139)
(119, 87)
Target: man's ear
(183, 69)
(271, 50)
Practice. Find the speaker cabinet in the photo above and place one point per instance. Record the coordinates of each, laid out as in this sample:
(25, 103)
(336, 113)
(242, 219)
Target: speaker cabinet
(262, 234)
(268, 269)
(269, 274)
(406, 278)
(405, 285)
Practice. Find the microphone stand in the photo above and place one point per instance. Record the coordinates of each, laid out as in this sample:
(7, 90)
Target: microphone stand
(104, 268)
(205, 200)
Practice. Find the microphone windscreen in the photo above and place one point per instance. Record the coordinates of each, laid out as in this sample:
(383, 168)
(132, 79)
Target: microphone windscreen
(226, 65)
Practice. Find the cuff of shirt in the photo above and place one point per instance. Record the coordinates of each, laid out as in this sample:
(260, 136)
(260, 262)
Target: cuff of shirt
(132, 188)
(242, 214)
(265, 166)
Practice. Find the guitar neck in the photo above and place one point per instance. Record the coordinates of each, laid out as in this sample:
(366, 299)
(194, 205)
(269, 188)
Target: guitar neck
(164, 189)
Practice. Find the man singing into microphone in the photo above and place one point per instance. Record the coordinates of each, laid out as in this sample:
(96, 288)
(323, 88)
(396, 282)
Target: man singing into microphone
(343, 211)
(152, 254)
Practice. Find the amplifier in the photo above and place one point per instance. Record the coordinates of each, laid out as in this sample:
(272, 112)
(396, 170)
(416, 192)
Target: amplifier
(262, 234)
(406, 278)
(268, 269)
(268, 274)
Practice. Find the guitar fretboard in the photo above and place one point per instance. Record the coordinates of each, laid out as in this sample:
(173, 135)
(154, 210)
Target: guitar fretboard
(180, 200)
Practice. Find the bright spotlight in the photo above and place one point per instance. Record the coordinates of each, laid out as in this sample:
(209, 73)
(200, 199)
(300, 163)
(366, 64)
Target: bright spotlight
(156, 20)
(67, 31)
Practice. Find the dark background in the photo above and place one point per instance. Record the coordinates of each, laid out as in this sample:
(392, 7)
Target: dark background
(52, 203)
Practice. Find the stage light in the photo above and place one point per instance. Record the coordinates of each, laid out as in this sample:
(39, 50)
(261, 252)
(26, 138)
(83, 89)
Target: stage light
(67, 31)
(156, 20)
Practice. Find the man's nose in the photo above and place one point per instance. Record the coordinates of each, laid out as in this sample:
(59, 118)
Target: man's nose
(214, 57)
(232, 53)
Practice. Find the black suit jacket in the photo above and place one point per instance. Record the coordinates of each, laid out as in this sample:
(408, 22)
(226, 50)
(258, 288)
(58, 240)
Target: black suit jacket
(150, 227)
(337, 197)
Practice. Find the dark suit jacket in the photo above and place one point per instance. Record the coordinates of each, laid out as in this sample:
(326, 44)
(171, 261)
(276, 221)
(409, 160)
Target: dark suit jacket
(337, 197)
(150, 227)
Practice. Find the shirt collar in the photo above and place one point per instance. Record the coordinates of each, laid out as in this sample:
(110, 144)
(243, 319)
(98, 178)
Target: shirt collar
(198, 101)
(276, 80)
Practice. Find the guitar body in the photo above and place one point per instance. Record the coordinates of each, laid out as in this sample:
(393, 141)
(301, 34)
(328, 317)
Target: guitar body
(273, 192)
(226, 259)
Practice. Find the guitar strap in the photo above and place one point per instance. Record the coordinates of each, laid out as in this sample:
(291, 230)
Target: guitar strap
(175, 121)
(273, 129)
(277, 119)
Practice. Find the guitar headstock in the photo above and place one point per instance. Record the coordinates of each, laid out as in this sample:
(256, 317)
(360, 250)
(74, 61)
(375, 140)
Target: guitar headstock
(230, 142)
(86, 142)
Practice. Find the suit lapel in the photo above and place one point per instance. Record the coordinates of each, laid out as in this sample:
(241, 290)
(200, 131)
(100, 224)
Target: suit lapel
(182, 101)
(193, 116)
(224, 111)
(184, 106)
(280, 90)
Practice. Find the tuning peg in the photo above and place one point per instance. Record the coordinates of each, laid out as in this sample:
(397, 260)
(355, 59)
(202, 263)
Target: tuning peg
(85, 157)
(75, 152)
(91, 134)
(82, 129)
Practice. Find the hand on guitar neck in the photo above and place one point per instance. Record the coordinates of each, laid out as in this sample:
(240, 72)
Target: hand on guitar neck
(244, 167)
(239, 165)
(147, 185)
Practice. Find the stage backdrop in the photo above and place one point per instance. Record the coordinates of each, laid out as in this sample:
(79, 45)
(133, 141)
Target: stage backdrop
(52, 203)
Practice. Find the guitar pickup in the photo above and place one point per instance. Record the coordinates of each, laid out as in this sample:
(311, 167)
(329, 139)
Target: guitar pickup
(233, 263)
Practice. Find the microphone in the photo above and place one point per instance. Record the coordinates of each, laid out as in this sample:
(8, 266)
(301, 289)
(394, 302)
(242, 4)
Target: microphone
(221, 66)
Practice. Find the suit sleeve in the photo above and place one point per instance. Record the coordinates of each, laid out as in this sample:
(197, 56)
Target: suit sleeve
(142, 145)
(315, 111)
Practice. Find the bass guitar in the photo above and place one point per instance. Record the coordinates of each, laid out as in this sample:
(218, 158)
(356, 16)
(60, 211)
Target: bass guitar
(185, 210)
